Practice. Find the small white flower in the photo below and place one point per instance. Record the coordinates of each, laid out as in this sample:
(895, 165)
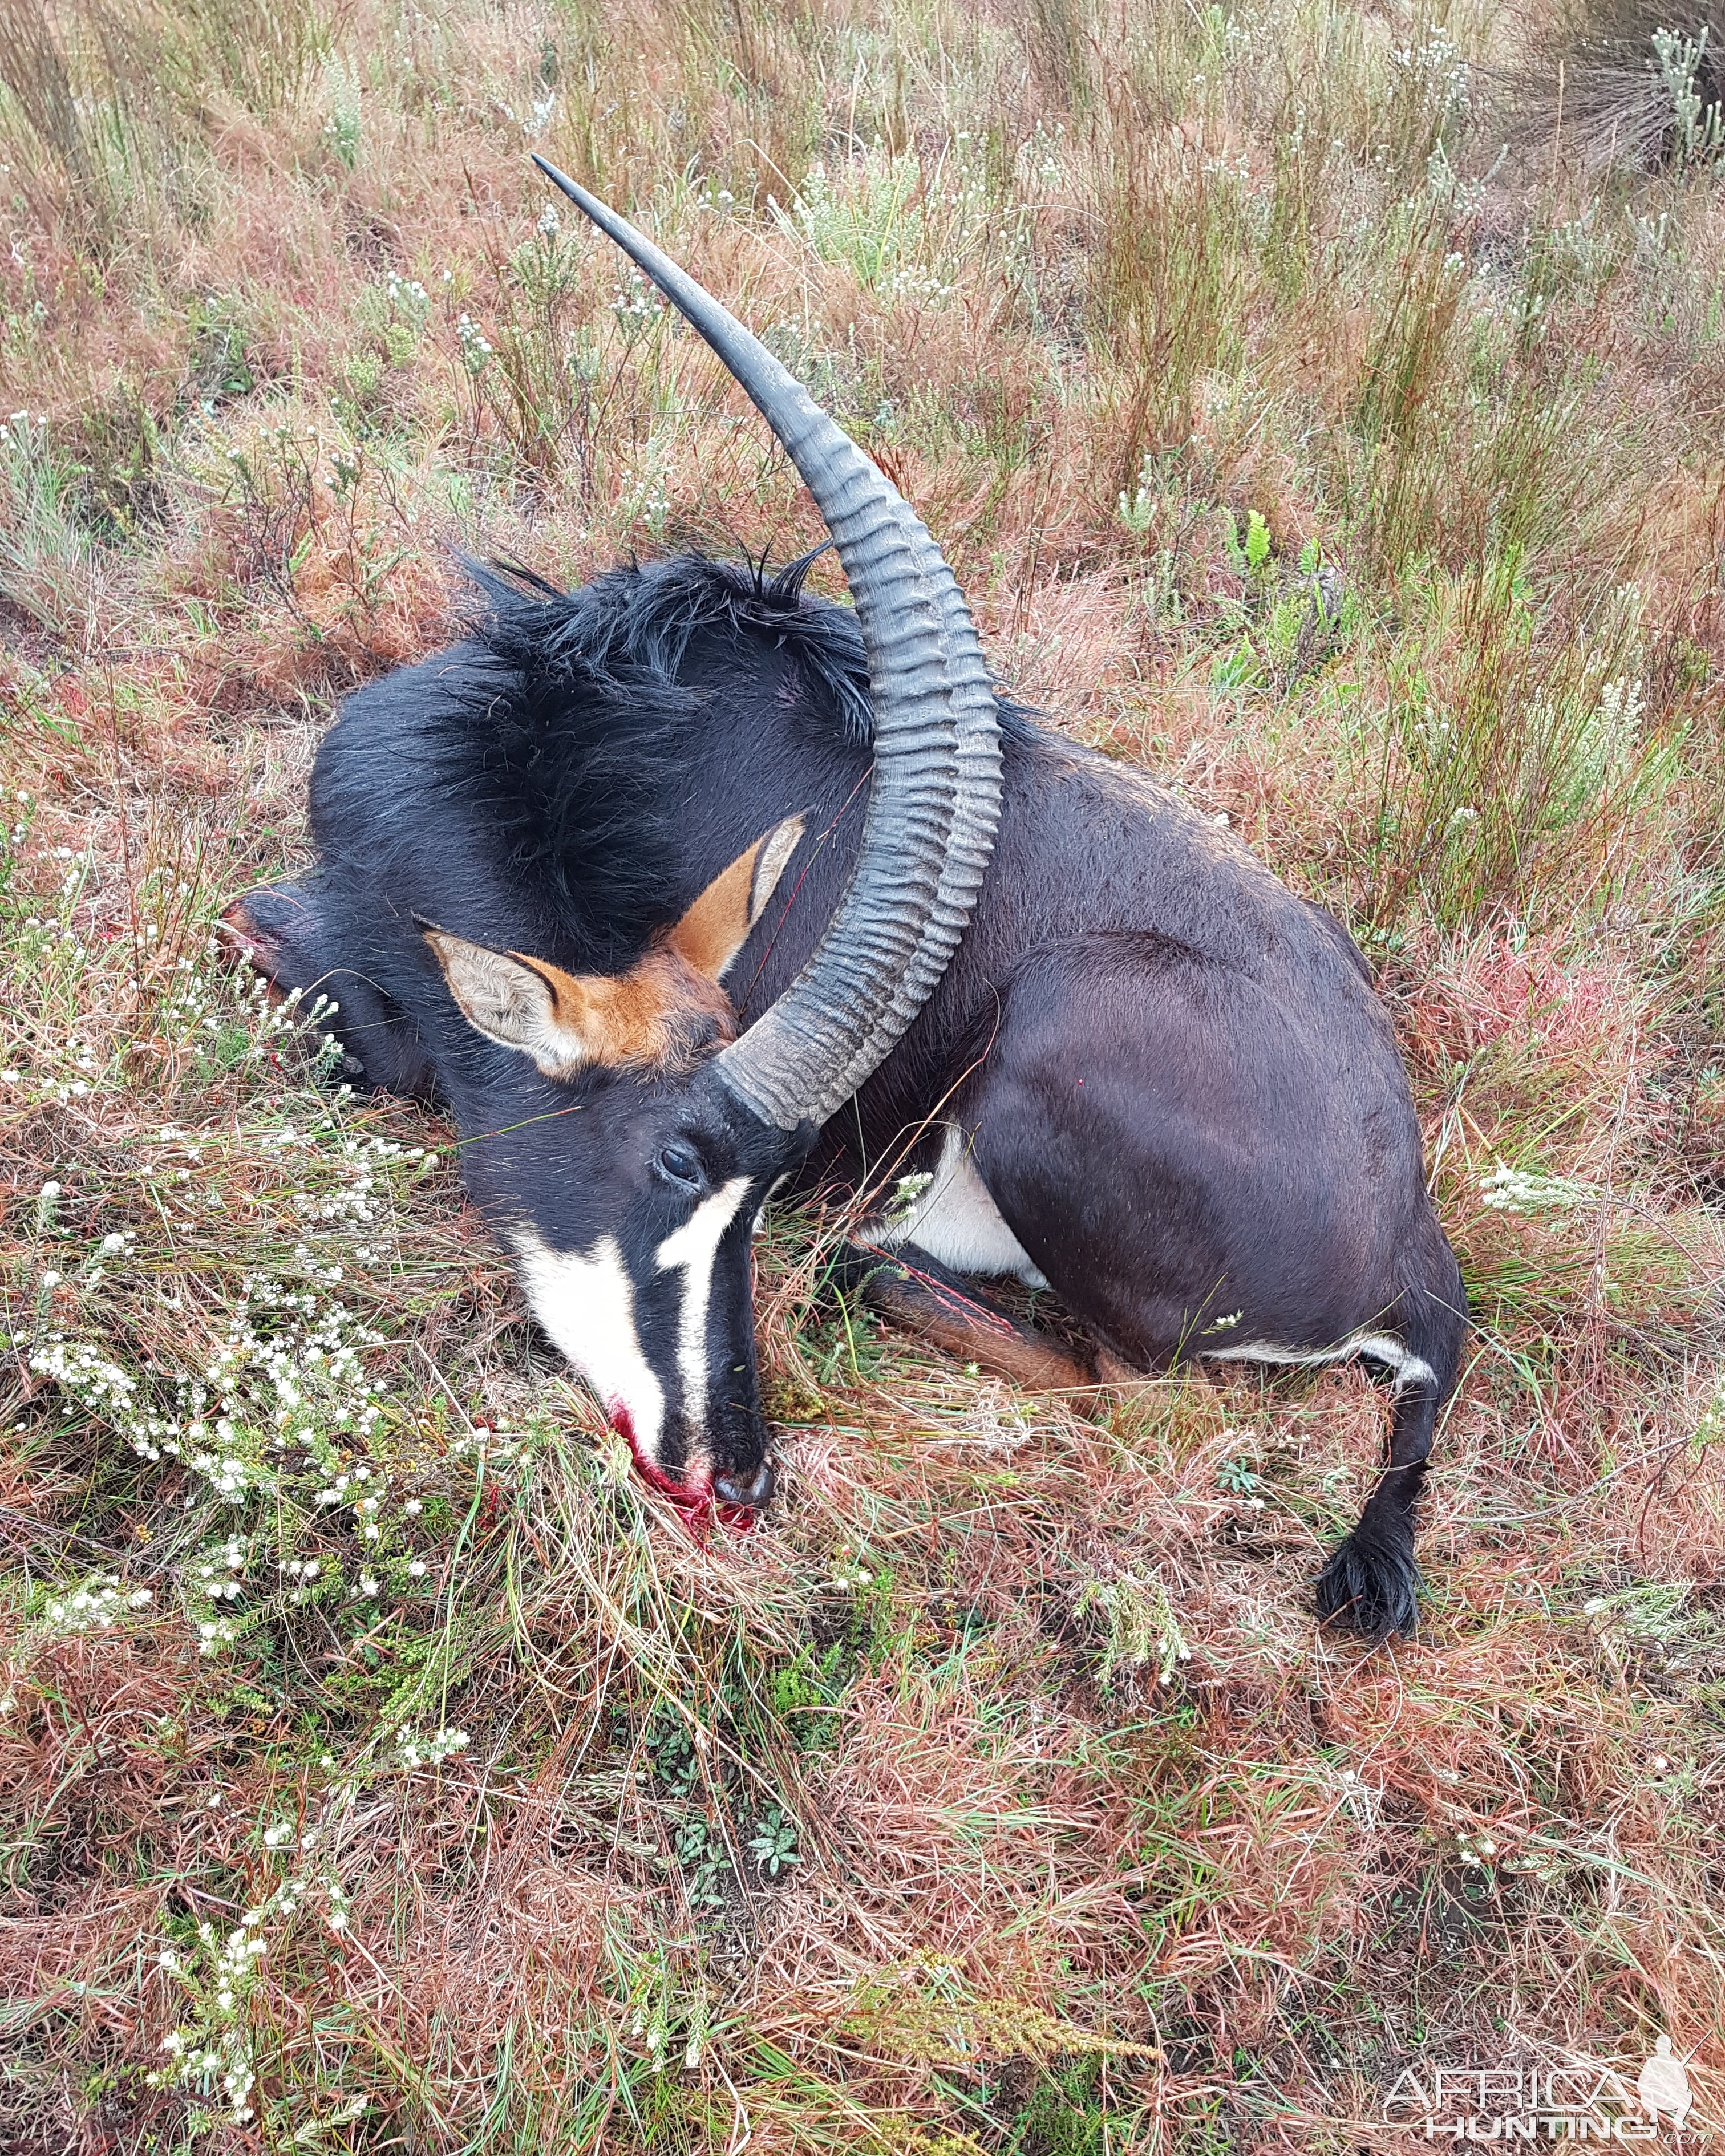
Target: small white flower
(1514, 1190)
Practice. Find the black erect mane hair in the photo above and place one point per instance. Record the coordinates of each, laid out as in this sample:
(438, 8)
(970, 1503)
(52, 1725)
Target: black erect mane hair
(568, 729)
(564, 730)
(643, 618)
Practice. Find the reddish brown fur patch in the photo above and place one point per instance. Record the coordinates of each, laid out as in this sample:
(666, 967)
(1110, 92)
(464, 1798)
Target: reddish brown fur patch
(665, 1010)
(711, 932)
(662, 1011)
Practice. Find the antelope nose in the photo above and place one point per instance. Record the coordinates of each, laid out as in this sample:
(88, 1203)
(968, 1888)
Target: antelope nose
(751, 1491)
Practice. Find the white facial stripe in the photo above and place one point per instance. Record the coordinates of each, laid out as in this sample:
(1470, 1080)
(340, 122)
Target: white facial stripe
(693, 1247)
(587, 1306)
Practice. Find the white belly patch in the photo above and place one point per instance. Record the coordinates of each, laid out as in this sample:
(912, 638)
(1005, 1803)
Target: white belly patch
(957, 1222)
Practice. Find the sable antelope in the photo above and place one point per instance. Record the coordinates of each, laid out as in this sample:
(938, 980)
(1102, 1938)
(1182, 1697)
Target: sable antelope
(686, 882)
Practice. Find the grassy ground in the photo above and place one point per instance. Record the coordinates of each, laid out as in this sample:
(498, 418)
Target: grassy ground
(1315, 412)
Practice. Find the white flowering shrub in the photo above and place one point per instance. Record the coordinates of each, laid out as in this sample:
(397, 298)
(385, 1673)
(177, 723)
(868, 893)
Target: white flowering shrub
(636, 301)
(412, 1750)
(290, 1388)
(1518, 1191)
(407, 307)
(285, 1403)
(277, 1413)
(97, 1605)
(210, 2050)
(902, 225)
(476, 347)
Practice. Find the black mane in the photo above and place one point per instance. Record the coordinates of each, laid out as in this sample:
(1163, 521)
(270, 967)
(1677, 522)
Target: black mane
(643, 618)
(566, 720)
(566, 778)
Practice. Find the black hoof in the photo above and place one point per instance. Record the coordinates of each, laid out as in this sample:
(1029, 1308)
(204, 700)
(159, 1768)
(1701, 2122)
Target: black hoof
(1371, 1586)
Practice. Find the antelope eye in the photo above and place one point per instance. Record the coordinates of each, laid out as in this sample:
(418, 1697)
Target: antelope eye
(679, 1165)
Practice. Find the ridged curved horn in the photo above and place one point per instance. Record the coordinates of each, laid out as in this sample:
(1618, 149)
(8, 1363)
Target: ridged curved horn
(934, 799)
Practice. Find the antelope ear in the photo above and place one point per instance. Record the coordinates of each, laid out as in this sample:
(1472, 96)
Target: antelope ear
(715, 928)
(521, 1002)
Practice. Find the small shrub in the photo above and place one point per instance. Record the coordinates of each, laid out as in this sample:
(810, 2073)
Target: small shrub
(1630, 82)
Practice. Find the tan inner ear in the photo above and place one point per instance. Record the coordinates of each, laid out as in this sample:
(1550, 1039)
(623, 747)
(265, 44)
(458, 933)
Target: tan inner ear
(657, 1011)
(519, 1003)
(717, 926)
(566, 1022)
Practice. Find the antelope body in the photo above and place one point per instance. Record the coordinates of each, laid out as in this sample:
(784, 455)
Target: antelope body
(685, 882)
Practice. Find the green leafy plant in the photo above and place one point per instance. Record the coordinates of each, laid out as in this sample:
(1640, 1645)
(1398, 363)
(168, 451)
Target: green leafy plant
(774, 1844)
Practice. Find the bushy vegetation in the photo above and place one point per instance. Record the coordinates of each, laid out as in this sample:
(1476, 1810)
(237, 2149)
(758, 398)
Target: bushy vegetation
(1320, 406)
